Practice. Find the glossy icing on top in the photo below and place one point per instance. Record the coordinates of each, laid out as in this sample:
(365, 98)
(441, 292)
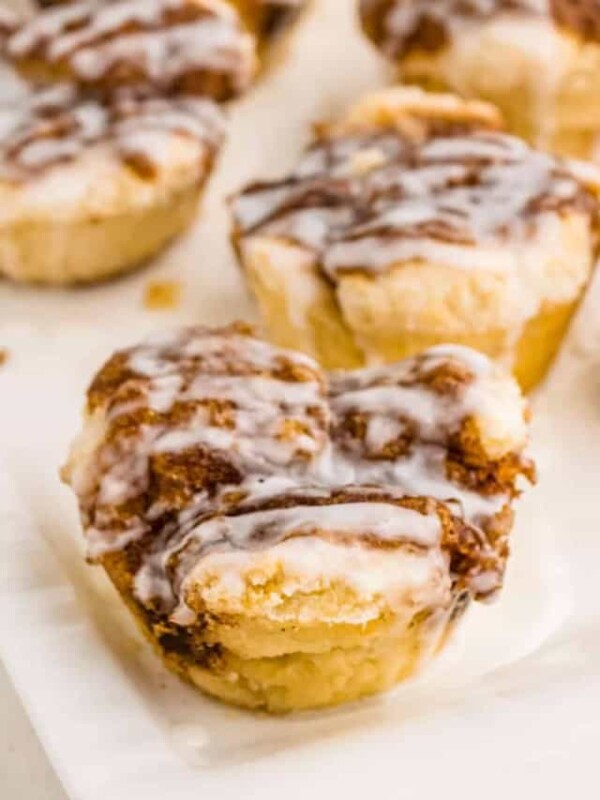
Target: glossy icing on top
(208, 441)
(367, 199)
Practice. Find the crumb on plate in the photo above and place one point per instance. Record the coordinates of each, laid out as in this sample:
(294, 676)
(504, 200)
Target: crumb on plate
(162, 295)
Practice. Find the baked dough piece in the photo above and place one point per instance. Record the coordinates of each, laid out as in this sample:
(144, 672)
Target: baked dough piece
(90, 187)
(184, 46)
(289, 539)
(537, 60)
(414, 221)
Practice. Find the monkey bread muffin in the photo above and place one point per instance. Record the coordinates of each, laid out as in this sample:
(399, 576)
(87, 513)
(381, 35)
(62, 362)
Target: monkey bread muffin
(289, 539)
(415, 220)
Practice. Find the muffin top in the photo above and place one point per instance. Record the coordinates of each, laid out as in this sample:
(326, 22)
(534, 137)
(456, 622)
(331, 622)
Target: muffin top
(208, 440)
(400, 27)
(187, 46)
(409, 176)
(55, 126)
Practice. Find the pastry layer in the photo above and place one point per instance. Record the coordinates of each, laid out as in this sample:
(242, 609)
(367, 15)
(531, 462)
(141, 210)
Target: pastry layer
(289, 539)
(91, 187)
(414, 221)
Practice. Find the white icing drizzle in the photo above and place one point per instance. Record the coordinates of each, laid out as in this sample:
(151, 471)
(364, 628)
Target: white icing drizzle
(55, 125)
(163, 40)
(403, 579)
(448, 193)
(269, 416)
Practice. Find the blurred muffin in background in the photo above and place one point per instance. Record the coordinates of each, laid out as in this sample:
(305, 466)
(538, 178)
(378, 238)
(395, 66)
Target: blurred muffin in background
(185, 46)
(539, 62)
(413, 221)
(289, 539)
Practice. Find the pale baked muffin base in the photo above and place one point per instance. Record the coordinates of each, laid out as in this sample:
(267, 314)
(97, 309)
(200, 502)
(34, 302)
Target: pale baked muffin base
(92, 248)
(323, 664)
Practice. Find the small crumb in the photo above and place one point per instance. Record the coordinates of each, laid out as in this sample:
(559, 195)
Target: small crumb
(4, 355)
(162, 295)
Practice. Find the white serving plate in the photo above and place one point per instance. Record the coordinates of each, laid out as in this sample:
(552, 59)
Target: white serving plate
(514, 704)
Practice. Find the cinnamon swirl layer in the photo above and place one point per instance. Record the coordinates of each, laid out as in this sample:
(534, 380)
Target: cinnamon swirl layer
(416, 214)
(82, 176)
(266, 522)
(186, 46)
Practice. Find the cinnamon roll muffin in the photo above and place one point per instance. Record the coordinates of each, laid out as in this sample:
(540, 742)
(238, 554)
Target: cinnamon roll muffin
(91, 186)
(537, 60)
(192, 47)
(289, 539)
(414, 221)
